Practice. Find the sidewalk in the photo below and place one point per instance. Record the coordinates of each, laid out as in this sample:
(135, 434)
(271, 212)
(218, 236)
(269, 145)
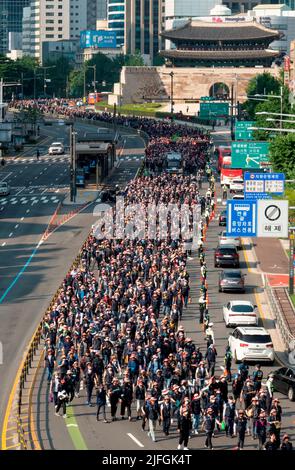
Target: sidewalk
(267, 258)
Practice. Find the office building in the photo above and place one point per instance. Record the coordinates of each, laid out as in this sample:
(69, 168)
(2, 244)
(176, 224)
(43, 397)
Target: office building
(50, 21)
(11, 12)
(143, 26)
(241, 6)
(101, 9)
(116, 19)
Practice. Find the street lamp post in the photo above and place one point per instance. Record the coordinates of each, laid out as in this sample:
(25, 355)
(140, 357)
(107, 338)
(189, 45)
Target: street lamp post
(73, 164)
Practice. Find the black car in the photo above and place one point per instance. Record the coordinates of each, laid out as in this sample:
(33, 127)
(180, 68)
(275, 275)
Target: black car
(231, 280)
(226, 255)
(222, 218)
(284, 382)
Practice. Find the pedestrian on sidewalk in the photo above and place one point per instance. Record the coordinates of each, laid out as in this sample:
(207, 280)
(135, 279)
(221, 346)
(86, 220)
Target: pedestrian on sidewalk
(227, 363)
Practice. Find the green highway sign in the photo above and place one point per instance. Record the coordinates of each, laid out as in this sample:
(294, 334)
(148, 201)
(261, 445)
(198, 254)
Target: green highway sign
(207, 98)
(249, 154)
(242, 131)
(213, 110)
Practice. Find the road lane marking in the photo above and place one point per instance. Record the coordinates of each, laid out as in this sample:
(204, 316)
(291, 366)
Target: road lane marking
(6, 176)
(3, 244)
(10, 235)
(135, 440)
(74, 431)
(17, 225)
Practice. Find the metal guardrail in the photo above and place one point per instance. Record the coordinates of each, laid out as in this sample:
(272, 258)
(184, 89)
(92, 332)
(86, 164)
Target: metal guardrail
(286, 335)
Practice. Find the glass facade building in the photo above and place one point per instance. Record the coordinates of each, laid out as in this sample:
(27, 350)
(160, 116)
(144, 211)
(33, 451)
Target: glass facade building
(143, 25)
(116, 19)
(11, 14)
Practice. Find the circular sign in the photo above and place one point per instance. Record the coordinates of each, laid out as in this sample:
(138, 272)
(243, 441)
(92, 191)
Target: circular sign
(272, 213)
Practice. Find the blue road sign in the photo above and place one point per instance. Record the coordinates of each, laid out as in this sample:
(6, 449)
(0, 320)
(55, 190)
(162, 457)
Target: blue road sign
(263, 185)
(241, 218)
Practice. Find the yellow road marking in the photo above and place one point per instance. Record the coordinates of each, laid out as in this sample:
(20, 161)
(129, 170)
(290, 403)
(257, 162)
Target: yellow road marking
(31, 414)
(13, 447)
(12, 395)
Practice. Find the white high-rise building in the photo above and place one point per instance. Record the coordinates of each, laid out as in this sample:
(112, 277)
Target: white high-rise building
(52, 20)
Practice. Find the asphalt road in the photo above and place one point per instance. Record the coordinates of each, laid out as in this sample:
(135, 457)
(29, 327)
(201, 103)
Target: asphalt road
(82, 431)
(29, 277)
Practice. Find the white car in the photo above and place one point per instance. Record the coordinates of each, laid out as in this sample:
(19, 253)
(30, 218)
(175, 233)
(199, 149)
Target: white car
(56, 148)
(224, 240)
(252, 344)
(240, 312)
(4, 189)
(236, 185)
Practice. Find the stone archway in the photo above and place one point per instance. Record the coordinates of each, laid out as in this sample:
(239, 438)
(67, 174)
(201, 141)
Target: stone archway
(219, 90)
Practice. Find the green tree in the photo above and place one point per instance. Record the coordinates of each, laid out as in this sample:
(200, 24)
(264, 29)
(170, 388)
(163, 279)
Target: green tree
(282, 154)
(261, 84)
(59, 76)
(134, 60)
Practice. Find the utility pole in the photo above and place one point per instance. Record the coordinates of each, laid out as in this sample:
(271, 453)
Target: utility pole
(1, 100)
(232, 113)
(22, 82)
(172, 92)
(281, 95)
(34, 84)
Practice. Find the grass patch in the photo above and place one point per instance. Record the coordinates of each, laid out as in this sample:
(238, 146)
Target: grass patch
(140, 108)
(292, 297)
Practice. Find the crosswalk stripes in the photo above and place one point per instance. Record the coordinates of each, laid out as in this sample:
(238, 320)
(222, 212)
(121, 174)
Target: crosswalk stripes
(30, 200)
(44, 159)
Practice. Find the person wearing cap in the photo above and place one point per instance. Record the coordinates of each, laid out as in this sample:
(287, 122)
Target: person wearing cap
(253, 412)
(229, 414)
(272, 443)
(201, 375)
(210, 355)
(184, 426)
(140, 391)
(240, 427)
(247, 393)
(286, 444)
(196, 411)
(166, 412)
(152, 416)
(126, 398)
(261, 427)
(209, 334)
(49, 363)
(209, 425)
(274, 425)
